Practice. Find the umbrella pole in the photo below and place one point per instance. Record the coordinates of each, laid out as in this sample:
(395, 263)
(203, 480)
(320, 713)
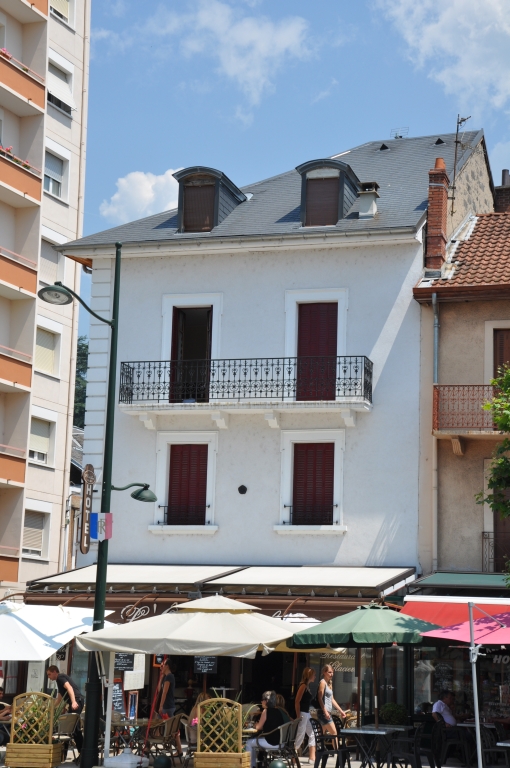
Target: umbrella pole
(376, 685)
(109, 705)
(473, 654)
(204, 682)
(358, 717)
(294, 668)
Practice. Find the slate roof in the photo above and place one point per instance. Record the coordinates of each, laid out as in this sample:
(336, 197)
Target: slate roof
(401, 172)
(480, 264)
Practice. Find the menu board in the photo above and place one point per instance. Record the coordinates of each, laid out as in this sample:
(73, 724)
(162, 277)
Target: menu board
(205, 664)
(118, 704)
(124, 662)
(443, 676)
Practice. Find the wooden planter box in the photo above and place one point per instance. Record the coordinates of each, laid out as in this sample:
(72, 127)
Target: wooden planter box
(33, 755)
(222, 760)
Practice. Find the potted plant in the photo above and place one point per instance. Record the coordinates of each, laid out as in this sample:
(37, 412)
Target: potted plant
(34, 716)
(393, 714)
(219, 735)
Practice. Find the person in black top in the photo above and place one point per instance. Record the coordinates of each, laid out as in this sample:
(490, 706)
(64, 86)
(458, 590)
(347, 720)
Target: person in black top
(270, 719)
(302, 705)
(167, 702)
(69, 691)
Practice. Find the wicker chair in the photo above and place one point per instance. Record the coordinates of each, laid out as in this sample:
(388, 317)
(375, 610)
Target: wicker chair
(66, 726)
(191, 743)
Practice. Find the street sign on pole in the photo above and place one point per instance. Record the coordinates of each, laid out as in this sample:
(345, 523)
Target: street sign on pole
(89, 478)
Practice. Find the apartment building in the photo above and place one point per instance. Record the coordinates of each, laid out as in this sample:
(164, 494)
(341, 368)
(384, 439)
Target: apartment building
(467, 295)
(44, 54)
(271, 376)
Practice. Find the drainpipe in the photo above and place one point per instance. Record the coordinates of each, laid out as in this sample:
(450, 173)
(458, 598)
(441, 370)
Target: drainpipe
(435, 494)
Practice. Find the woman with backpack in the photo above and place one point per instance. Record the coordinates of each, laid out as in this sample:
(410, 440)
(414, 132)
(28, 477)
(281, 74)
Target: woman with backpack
(302, 706)
(327, 701)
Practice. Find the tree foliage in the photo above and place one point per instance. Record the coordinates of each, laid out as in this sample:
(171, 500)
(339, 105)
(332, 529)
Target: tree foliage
(498, 481)
(80, 388)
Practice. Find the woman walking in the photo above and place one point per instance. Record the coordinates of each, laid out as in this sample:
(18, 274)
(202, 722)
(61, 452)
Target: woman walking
(327, 701)
(302, 705)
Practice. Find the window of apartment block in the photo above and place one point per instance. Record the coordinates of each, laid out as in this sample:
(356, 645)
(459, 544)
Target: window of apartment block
(53, 174)
(198, 215)
(61, 9)
(187, 488)
(45, 345)
(60, 83)
(501, 349)
(39, 444)
(322, 201)
(317, 351)
(33, 531)
(313, 484)
(48, 266)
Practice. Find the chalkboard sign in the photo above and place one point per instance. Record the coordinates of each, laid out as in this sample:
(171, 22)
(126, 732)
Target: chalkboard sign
(124, 662)
(118, 703)
(443, 677)
(205, 664)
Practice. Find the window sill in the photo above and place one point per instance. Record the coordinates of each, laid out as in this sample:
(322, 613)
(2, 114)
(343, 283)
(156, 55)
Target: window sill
(37, 558)
(310, 530)
(57, 198)
(59, 110)
(47, 374)
(33, 463)
(183, 530)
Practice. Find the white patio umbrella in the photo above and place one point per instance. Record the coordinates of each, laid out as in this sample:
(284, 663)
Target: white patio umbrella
(36, 632)
(210, 626)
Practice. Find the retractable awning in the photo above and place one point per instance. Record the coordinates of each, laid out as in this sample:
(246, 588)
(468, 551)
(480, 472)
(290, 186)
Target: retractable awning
(445, 611)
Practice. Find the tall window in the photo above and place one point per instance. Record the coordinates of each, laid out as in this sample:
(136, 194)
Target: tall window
(501, 349)
(198, 206)
(322, 201)
(48, 265)
(317, 348)
(39, 445)
(45, 343)
(60, 8)
(33, 530)
(187, 488)
(59, 88)
(313, 484)
(53, 174)
(191, 353)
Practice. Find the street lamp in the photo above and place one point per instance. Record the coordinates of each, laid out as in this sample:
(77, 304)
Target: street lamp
(60, 295)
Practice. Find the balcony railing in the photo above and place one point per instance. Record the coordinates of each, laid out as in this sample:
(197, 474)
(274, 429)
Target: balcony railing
(310, 514)
(495, 551)
(184, 514)
(345, 378)
(460, 406)
(7, 254)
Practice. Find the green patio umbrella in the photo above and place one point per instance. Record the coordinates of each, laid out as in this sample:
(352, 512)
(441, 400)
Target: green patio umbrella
(369, 625)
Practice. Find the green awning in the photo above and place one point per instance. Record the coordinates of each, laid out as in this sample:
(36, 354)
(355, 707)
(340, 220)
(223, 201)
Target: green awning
(463, 580)
(367, 625)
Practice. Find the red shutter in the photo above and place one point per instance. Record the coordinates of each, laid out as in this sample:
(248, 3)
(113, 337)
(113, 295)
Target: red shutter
(199, 208)
(322, 201)
(501, 349)
(312, 498)
(187, 491)
(317, 346)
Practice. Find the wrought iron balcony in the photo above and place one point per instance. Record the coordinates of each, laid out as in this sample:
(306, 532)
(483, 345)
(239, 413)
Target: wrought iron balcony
(495, 551)
(184, 514)
(346, 378)
(307, 514)
(459, 407)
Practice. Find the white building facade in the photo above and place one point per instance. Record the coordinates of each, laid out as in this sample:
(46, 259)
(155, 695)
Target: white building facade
(270, 388)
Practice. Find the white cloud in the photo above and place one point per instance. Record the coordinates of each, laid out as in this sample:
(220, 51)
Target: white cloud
(326, 92)
(140, 194)
(248, 49)
(464, 43)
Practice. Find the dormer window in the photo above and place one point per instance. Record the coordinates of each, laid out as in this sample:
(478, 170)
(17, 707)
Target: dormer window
(206, 197)
(328, 190)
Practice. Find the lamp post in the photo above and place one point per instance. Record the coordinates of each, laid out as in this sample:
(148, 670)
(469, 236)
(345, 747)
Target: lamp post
(60, 294)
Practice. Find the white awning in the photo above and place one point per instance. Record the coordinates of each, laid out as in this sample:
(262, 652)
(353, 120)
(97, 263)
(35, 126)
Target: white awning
(139, 574)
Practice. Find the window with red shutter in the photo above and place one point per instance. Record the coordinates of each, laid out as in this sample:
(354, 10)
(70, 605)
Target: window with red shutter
(187, 489)
(317, 348)
(198, 207)
(501, 349)
(322, 202)
(313, 483)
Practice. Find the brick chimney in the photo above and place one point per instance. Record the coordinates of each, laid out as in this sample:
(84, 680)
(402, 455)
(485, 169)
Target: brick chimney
(502, 194)
(439, 182)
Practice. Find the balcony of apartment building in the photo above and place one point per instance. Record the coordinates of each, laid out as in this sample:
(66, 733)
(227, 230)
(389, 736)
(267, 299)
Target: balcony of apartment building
(20, 180)
(271, 384)
(458, 412)
(18, 275)
(26, 11)
(22, 90)
(12, 466)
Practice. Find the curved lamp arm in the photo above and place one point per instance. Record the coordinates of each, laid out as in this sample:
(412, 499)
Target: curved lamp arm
(131, 485)
(111, 323)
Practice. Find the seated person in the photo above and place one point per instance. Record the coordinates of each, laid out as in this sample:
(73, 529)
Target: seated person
(444, 706)
(270, 720)
(280, 703)
(193, 717)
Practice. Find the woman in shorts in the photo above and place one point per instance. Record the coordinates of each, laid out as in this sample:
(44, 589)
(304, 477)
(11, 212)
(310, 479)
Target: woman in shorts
(327, 701)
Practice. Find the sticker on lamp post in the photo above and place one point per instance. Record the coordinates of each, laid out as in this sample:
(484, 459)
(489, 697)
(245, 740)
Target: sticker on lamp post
(101, 524)
(89, 478)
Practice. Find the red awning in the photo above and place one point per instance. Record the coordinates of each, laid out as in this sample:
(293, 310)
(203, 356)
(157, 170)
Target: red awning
(445, 614)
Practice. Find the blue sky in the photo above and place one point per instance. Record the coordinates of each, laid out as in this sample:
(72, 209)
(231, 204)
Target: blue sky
(255, 87)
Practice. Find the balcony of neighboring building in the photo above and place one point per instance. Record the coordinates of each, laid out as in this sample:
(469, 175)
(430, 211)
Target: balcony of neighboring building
(18, 275)
(12, 466)
(15, 370)
(20, 181)
(22, 91)
(458, 409)
(26, 11)
(283, 384)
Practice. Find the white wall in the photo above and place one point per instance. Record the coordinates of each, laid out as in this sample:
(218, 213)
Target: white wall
(380, 497)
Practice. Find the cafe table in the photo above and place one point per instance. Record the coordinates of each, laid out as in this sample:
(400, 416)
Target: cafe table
(369, 737)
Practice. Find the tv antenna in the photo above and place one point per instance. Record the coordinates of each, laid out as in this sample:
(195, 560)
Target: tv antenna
(458, 142)
(399, 133)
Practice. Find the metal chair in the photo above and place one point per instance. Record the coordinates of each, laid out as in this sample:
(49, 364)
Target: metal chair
(408, 751)
(66, 726)
(441, 745)
(289, 749)
(328, 745)
(263, 753)
(490, 752)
